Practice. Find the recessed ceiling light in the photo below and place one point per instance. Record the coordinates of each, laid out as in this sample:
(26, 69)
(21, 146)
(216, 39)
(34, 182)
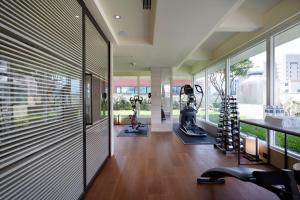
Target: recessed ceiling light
(77, 16)
(117, 17)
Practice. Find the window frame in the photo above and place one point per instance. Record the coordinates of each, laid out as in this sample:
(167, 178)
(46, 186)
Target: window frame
(270, 75)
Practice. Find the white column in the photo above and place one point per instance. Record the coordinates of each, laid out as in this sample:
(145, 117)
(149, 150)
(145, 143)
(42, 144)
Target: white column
(155, 98)
(157, 125)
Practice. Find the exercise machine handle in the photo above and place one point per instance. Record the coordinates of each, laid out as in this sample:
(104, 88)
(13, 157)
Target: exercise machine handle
(199, 89)
(132, 100)
(181, 92)
(138, 98)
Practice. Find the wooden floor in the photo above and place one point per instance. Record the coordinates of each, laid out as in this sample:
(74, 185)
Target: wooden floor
(160, 167)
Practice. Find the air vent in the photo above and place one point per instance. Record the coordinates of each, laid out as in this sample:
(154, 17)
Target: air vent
(146, 4)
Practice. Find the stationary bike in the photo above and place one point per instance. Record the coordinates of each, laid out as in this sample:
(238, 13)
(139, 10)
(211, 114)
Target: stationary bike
(135, 124)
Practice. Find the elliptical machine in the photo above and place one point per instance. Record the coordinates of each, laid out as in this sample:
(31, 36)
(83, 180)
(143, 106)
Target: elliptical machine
(135, 124)
(188, 114)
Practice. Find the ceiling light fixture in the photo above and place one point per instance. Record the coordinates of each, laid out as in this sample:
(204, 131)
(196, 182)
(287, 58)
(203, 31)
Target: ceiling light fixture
(77, 16)
(117, 17)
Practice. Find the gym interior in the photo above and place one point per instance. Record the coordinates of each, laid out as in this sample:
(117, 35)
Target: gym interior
(150, 99)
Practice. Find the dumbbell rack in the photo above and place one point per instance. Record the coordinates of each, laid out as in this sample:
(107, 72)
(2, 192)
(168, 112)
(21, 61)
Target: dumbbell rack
(235, 126)
(228, 135)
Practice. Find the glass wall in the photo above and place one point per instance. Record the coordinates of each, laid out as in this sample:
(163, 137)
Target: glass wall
(144, 90)
(287, 80)
(199, 79)
(248, 83)
(126, 87)
(215, 90)
(178, 81)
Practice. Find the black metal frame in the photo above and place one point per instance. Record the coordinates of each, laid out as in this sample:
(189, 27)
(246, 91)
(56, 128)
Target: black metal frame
(284, 131)
(83, 98)
(86, 12)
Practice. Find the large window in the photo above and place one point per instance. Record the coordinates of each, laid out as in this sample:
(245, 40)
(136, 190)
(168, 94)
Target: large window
(144, 89)
(178, 81)
(248, 78)
(199, 79)
(248, 83)
(287, 80)
(215, 90)
(126, 87)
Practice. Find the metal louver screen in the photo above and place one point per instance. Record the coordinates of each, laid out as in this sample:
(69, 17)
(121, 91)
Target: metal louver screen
(41, 100)
(97, 135)
(96, 148)
(96, 52)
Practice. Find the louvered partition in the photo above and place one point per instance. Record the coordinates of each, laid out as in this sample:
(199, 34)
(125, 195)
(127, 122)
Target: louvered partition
(97, 136)
(41, 99)
(97, 147)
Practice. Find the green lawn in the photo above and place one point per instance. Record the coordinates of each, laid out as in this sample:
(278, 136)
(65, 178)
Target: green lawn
(213, 117)
(293, 141)
(261, 133)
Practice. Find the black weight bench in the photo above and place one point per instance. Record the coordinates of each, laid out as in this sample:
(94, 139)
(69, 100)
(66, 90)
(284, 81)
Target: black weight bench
(281, 182)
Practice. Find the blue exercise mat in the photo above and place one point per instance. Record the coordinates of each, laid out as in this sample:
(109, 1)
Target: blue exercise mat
(208, 139)
(143, 132)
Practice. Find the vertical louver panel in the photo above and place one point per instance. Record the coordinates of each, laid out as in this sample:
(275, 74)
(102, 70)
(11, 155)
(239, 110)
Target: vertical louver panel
(41, 100)
(96, 148)
(96, 52)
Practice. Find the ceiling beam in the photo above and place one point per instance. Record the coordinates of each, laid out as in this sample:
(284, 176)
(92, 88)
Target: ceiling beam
(241, 20)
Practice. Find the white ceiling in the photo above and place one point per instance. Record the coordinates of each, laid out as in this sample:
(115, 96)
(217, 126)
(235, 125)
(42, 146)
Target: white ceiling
(246, 18)
(135, 23)
(173, 31)
(215, 40)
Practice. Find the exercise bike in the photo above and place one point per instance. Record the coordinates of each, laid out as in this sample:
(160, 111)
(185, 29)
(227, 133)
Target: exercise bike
(135, 124)
(284, 183)
(188, 114)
